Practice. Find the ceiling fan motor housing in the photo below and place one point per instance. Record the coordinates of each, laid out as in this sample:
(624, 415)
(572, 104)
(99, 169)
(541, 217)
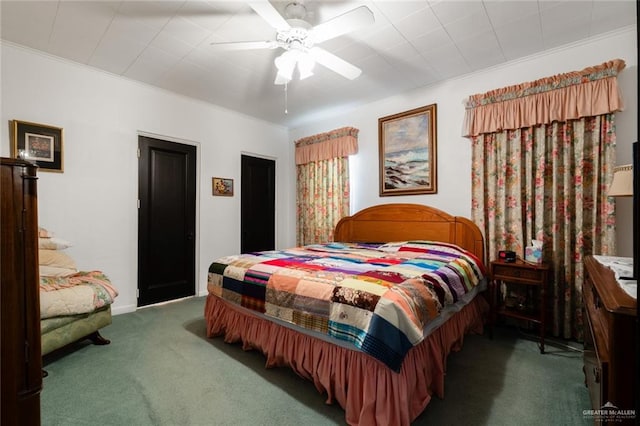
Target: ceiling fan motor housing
(295, 10)
(296, 37)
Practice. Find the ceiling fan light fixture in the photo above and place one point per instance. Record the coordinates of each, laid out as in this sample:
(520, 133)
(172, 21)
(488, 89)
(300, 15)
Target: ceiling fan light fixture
(305, 66)
(286, 63)
(281, 80)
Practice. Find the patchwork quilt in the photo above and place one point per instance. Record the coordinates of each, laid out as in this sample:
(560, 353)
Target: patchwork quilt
(378, 297)
(80, 293)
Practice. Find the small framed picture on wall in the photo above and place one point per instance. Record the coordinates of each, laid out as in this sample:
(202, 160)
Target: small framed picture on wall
(38, 143)
(223, 187)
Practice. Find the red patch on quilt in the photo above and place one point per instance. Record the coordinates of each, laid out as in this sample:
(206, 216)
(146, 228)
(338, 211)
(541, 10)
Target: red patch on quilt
(292, 264)
(414, 249)
(385, 261)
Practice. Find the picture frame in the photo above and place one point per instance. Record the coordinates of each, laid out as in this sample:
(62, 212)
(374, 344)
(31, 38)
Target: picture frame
(39, 143)
(408, 152)
(222, 187)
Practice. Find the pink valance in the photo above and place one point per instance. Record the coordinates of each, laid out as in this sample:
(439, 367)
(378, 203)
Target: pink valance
(334, 144)
(590, 92)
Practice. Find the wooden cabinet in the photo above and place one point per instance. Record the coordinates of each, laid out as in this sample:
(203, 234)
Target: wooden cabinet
(609, 347)
(20, 361)
(529, 282)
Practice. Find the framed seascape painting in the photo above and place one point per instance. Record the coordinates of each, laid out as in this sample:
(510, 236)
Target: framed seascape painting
(223, 187)
(38, 143)
(408, 162)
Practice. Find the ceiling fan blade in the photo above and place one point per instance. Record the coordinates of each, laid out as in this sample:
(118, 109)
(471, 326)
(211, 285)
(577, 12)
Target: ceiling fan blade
(335, 63)
(269, 14)
(342, 24)
(245, 45)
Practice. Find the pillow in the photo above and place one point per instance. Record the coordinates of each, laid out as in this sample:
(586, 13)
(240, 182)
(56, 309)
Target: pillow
(43, 233)
(52, 271)
(57, 259)
(53, 243)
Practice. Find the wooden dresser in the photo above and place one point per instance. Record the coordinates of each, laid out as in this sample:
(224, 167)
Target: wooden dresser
(20, 358)
(609, 347)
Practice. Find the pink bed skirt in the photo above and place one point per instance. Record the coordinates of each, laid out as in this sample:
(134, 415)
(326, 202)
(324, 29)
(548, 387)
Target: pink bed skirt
(368, 391)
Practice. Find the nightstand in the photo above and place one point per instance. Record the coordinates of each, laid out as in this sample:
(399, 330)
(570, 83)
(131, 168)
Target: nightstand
(524, 286)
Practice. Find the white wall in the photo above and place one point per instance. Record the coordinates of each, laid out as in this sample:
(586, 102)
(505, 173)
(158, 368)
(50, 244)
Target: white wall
(454, 151)
(93, 203)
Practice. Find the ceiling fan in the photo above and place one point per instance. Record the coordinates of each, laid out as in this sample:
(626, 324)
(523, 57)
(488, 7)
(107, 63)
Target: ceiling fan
(298, 38)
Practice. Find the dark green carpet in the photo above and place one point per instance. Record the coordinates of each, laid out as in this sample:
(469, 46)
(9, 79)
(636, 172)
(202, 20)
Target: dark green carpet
(160, 369)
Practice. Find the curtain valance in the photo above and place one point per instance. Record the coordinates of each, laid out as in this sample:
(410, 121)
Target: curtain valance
(334, 144)
(590, 92)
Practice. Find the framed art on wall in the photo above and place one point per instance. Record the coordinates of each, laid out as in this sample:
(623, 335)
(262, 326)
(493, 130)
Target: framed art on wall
(408, 161)
(38, 143)
(223, 187)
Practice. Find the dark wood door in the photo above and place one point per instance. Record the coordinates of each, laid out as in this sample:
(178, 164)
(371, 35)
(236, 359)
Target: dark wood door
(166, 220)
(257, 202)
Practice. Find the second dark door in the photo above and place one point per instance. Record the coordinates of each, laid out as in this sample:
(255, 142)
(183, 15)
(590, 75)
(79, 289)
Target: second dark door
(257, 223)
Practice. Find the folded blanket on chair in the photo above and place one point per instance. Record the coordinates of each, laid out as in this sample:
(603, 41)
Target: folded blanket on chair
(79, 293)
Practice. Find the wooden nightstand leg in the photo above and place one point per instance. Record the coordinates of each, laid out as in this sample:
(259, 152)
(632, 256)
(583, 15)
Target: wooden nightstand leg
(543, 311)
(492, 307)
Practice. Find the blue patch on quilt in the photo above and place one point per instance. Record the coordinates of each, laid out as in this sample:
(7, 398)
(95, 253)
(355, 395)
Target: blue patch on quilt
(392, 346)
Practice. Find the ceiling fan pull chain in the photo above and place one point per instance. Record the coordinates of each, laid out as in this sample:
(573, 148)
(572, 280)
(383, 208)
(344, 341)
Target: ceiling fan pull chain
(285, 98)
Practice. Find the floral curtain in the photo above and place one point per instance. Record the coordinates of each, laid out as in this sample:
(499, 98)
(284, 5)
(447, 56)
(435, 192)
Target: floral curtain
(547, 179)
(323, 183)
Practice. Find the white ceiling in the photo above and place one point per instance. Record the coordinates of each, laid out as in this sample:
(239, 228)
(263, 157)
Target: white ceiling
(412, 44)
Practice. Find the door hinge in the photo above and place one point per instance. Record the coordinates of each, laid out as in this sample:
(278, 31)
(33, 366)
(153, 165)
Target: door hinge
(138, 203)
(138, 153)
(137, 293)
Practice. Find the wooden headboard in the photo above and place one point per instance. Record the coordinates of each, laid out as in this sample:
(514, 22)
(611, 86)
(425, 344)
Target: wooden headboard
(401, 222)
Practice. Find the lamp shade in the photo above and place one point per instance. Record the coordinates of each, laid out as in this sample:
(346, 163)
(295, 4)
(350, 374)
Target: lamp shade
(622, 185)
(305, 66)
(286, 63)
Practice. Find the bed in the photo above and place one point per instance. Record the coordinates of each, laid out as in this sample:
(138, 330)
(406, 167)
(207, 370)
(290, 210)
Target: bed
(74, 305)
(369, 318)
